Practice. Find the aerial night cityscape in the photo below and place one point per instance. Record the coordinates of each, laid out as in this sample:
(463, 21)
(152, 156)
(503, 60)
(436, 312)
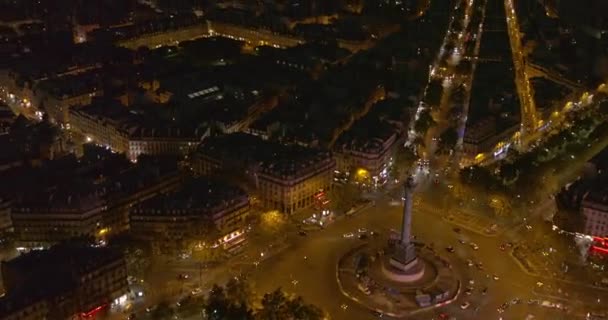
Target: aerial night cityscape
(303, 159)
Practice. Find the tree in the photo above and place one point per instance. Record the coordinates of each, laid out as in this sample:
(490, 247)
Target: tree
(220, 306)
(162, 311)
(273, 306)
(362, 262)
(344, 197)
(217, 304)
(238, 292)
(299, 310)
(477, 175)
(232, 302)
(424, 122)
(448, 139)
(604, 108)
(277, 306)
(433, 94)
(509, 173)
(403, 160)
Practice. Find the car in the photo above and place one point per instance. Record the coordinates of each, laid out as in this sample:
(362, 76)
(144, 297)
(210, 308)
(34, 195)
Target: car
(474, 246)
(303, 233)
(479, 266)
(495, 277)
(500, 310)
(183, 276)
(465, 305)
(470, 263)
(471, 282)
(450, 249)
(444, 316)
(484, 291)
(461, 241)
(363, 236)
(457, 230)
(349, 235)
(377, 314)
(131, 316)
(196, 291)
(503, 247)
(362, 230)
(468, 291)
(344, 306)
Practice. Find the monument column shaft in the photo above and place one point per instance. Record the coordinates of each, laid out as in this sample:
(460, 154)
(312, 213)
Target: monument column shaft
(407, 215)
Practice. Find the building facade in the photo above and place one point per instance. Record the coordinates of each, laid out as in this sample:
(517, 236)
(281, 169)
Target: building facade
(595, 211)
(290, 185)
(286, 177)
(165, 141)
(199, 210)
(96, 213)
(6, 223)
(372, 158)
(483, 136)
(40, 226)
(76, 282)
(119, 130)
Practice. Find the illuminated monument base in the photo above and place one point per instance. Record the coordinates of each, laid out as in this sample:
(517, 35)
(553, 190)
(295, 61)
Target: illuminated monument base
(403, 265)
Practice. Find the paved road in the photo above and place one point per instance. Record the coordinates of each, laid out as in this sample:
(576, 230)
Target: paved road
(315, 276)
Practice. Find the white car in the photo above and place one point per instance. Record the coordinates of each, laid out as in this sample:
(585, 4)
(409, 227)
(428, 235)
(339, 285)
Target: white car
(349, 235)
(495, 277)
(465, 305)
(197, 291)
(362, 230)
(474, 246)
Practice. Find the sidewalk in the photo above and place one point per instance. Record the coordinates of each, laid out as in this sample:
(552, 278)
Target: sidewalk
(531, 270)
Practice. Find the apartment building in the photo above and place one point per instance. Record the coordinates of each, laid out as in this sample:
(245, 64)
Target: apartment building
(75, 282)
(199, 210)
(595, 211)
(286, 177)
(124, 130)
(371, 154)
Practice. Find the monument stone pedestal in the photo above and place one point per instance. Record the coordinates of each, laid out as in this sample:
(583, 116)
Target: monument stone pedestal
(404, 257)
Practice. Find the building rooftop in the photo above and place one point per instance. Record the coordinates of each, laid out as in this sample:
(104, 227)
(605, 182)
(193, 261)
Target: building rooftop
(6, 114)
(600, 160)
(366, 135)
(63, 267)
(271, 157)
(597, 199)
(480, 130)
(294, 161)
(197, 195)
(70, 185)
(137, 122)
(71, 85)
(240, 147)
(305, 53)
(62, 259)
